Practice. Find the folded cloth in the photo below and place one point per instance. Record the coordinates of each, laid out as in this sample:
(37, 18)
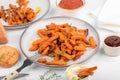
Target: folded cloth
(109, 15)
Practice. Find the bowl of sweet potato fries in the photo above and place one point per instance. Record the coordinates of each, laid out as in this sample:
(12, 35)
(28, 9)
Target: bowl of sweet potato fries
(16, 14)
(60, 41)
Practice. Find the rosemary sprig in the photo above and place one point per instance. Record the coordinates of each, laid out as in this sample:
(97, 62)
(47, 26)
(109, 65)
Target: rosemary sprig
(70, 25)
(13, 54)
(82, 77)
(50, 75)
(1, 57)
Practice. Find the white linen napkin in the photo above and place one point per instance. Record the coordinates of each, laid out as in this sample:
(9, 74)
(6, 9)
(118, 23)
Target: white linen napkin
(109, 15)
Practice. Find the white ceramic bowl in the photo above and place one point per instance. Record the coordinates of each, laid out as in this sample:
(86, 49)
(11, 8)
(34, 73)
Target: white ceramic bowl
(69, 10)
(111, 51)
(71, 72)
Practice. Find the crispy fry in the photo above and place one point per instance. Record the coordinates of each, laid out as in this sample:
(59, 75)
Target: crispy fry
(80, 48)
(60, 63)
(83, 32)
(39, 41)
(45, 51)
(92, 42)
(77, 55)
(68, 45)
(79, 37)
(83, 43)
(53, 38)
(93, 68)
(52, 54)
(43, 46)
(63, 42)
(42, 60)
(87, 71)
(62, 37)
(57, 57)
(68, 51)
(41, 33)
(52, 26)
(33, 48)
(67, 56)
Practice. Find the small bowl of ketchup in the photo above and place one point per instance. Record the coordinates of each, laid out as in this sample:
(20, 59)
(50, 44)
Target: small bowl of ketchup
(70, 5)
(112, 45)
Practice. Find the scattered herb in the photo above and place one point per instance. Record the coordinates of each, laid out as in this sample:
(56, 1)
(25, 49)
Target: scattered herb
(8, 59)
(13, 54)
(38, 9)
(8, 53)
(68, 40)
(1, 57)
(49, 75)
(70, 25)
(82, 77)
(60, 52)
(35, 53)
(12, 73)
(53, 56)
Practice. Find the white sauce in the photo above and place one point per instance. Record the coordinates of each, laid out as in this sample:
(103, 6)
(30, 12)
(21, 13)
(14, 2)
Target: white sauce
(71, 72)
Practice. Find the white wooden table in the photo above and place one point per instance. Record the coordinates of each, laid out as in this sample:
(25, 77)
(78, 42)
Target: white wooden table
(108, 67)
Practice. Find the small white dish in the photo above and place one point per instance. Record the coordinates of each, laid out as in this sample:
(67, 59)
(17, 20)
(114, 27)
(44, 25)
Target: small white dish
(109, 50)
(71, 72)
(69, 10)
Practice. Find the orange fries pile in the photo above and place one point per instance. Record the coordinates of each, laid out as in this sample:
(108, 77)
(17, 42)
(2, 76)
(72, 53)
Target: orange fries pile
(63, 42)
(16, 15)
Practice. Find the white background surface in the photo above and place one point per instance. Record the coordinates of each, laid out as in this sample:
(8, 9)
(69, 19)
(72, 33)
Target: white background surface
(108, 67)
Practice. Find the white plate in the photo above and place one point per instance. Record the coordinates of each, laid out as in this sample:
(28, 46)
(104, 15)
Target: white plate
(30, 34)
(43, 4)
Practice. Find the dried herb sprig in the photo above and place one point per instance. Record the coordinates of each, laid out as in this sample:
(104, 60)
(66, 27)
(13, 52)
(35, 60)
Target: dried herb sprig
(50, 75)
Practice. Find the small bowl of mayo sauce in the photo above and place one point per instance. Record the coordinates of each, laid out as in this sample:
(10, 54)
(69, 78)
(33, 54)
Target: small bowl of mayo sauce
(79, 72)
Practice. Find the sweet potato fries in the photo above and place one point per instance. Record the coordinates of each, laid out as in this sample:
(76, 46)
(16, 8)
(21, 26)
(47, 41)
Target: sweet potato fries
(63, 42)
(16, 15)
(86, 72)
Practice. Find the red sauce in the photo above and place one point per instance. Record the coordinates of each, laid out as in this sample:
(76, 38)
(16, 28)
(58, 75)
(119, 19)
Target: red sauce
(70, 4)
(113, 41)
